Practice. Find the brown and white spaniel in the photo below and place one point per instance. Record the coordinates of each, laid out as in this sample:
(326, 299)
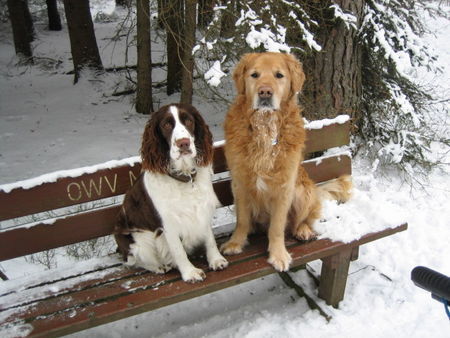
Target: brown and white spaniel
(168, 211)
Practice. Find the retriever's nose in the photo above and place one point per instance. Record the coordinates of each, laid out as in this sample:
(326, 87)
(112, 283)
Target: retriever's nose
(183, 144)
(265, 92)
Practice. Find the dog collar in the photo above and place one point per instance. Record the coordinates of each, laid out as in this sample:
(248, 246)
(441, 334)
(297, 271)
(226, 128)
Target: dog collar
(185, 178)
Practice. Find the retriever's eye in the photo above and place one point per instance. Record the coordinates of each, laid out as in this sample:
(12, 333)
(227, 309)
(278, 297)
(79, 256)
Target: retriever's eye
(279, 75)
(254, 75)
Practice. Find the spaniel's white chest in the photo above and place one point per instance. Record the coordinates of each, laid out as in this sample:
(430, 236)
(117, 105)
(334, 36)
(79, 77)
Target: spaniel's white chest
(185, 208)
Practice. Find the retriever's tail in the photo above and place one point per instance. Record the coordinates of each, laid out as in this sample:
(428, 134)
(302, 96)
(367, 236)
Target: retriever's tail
(339, 189)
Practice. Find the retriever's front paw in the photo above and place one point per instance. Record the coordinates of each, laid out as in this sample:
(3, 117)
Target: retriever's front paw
(280, 260)
(193, 275)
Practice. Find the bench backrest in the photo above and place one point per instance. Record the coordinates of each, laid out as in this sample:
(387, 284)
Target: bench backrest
(94, 184)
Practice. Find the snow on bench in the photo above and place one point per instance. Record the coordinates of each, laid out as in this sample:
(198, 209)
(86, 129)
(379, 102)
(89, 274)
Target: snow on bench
(101, 290)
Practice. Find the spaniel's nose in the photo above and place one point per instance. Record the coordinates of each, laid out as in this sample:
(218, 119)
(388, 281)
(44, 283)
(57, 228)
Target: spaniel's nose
(183, 144)
(265, 92)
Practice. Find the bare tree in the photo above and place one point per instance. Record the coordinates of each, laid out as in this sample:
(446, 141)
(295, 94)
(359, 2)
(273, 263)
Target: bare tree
(144, 102)
(172, 18)
(82, 36)
(54, 21)
(22, 27)
(188, 58)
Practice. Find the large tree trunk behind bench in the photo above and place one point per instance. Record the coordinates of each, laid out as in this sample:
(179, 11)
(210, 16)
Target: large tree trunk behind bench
(333, 75)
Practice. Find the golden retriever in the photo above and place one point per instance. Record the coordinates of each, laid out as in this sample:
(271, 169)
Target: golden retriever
(265, 137)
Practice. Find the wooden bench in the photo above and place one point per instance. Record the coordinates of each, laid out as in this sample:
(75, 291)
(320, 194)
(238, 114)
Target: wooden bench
(86, 296)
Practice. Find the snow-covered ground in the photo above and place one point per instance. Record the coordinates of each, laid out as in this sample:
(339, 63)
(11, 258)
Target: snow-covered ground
(49, 124)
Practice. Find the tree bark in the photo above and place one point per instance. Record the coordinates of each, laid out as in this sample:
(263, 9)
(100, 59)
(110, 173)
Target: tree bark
(54, 21)
(172, 17)
(188, 58)
(22, 27)
(83, 43)
(333, 75)
(144, 102)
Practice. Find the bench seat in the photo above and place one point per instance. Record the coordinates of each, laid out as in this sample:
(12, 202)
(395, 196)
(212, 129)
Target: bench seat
(102, 290)
(112, 291)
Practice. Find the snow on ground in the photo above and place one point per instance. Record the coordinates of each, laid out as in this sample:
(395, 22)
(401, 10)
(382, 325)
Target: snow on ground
(48, 124)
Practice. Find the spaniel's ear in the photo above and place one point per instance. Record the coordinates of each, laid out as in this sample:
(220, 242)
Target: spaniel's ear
(154, 148)
(203, 139)
(296, 73)
(239, 72)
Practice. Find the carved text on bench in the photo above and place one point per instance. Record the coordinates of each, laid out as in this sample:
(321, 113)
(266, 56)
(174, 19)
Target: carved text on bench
(94, 187)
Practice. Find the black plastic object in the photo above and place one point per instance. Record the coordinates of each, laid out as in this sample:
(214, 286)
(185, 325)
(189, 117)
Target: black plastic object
(432, 281)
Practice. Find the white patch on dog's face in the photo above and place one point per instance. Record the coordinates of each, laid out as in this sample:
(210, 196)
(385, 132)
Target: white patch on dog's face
(182, 157)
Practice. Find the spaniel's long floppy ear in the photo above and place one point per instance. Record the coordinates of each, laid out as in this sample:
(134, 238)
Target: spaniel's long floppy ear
(239, 72)
(203, 139)
(154, 148)
(296, 73)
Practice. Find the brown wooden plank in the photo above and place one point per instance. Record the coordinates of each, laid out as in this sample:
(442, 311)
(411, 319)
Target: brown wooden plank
(110, 286)
(334, 135)
(67, 191)
(328, 168)
(319, 171)
(144, 299)
(98, 223)
(63, 231)
(220, 163)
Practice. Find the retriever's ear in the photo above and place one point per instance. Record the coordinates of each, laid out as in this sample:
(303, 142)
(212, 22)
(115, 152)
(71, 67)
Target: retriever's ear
(296, 73)
(239, 72)
(154, 148)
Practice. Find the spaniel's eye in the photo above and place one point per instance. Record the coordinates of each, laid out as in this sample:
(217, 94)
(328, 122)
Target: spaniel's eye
(279, 75)
(254, 75)
(188, 122)
(167, 126)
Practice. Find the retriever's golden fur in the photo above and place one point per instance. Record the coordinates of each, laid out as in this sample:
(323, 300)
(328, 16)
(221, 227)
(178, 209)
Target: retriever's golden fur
(265, 138)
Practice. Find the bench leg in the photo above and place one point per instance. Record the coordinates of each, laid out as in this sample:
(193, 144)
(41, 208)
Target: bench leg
(333, 277)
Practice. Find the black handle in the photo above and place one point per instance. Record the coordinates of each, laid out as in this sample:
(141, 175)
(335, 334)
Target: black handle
(432, 281)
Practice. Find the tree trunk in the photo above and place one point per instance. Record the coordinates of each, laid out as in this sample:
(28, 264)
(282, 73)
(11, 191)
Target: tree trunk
(144, 103)
(172, 17)
(54, 21)
(82, 36)
(205, 12)
(22, 27)
(188, 58)
(333, 75)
